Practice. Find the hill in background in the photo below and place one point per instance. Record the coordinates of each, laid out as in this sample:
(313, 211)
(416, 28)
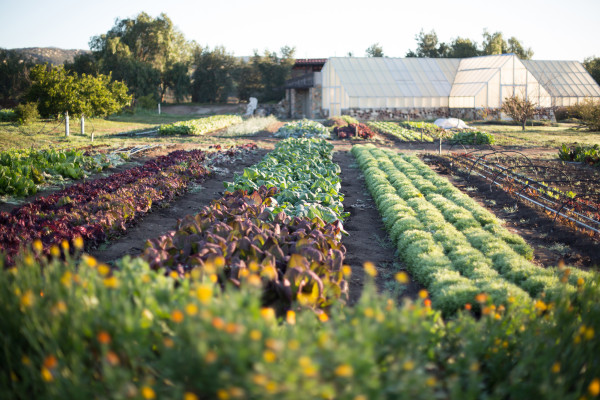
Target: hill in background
(52, 55)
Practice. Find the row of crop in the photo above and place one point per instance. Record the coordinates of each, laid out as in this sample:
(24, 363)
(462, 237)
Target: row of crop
(303, 129)
(200, 126)
(100, 208)
(300, 257)
(307, 178)
(450, 243)
(394, 129)
(425, 127)
(472, 137)
(21, 171)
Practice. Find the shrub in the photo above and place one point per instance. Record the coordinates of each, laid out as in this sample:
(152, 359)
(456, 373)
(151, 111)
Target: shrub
(147, 102)
(26, 113)
(8, 115)
(518, 109)
(589, 113)
(585, 154)
(472, 137)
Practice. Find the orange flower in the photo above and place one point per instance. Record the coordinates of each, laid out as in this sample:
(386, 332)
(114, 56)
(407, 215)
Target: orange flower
(468, 306)
(50, 362)
(291, 317)
(103, 337)
(112, 358)
(481, 298)
(177, 316)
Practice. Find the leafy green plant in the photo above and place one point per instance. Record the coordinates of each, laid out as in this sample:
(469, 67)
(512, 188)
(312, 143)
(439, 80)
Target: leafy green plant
(402, 133)
(307, 179)
(584, 154)
(303, 129)
(8, 115)
(472, 137)
(199, 126)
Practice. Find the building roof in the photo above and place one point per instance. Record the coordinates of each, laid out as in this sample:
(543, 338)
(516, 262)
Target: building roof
(395, 77)
(563, 78)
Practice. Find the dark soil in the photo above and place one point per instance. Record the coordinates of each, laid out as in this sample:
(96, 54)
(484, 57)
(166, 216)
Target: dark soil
(552, 242)
(367, 240)
(162, 220)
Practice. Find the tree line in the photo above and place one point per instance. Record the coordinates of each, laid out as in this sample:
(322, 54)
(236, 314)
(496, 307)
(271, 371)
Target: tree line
(153, 59)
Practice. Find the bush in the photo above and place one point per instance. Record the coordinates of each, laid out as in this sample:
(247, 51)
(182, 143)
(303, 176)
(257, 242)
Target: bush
(472, 137)
(147, 102)
(588, 112)
(585, 154)
(26, 113)
(8, 115)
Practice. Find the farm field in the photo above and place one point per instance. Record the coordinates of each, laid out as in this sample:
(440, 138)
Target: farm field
(294, 268)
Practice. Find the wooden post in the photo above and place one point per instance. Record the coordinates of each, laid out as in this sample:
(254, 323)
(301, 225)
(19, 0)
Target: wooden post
(67, 123)
(82, 125)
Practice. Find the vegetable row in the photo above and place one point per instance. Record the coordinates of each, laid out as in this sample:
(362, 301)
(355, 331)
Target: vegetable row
(200, 126)
(21, 171)
(298, 257)
(303, 129)
(394, 129)
(307, 178)
(97, 209)
(450, 243)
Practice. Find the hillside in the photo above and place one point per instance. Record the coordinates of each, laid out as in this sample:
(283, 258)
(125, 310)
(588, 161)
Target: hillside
(52, 55)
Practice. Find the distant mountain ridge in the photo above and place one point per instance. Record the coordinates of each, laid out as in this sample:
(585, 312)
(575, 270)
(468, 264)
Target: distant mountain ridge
(52, 55)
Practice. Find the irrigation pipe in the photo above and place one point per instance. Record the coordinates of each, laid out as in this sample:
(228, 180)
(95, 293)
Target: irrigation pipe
(549, 209)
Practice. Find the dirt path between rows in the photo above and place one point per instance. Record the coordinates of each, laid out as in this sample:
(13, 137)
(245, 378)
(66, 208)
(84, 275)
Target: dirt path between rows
(162, 220)
(367, 240)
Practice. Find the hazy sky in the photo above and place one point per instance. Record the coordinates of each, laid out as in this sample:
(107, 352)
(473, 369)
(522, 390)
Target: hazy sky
(554, 29)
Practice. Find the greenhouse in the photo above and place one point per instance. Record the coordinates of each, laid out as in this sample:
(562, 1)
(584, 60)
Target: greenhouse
(417, 88)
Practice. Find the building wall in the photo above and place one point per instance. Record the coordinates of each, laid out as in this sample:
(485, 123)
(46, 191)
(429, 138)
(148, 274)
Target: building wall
(428, 113)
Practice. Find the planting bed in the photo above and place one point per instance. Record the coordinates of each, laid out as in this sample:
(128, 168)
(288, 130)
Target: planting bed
(553, 241)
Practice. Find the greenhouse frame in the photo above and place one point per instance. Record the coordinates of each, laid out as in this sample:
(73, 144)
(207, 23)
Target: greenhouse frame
(423, 88)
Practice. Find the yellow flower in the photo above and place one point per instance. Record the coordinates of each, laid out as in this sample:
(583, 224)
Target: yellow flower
(66, 279)
(191, 309)
(267, 313)
(146, 278)
(254, 280)
(556, 367)
(47, 375)
(204, 293)
(293, 344)
(255, 335)
(38, 246)
(25, 360)
(177, 316)
(174, 275)
(78, 243)
(360, 397)
(408, 365)
(148, 393)
(91, 262)
(346, 271)
(344, 371)
(291, 317)
(269, 356)
(594, 387)
(65, 246)
(580, 282)
(541, 306)
(271, 387)
(27, 299)
(370, 269)
(55, 251)
(29, 261)
(190, 396)
(369, 312)
(423, 294)
(222, 394)
(111, 283)
(323, 317)
(589, 333)
(431, 381)
(402, 277)
(103, 269)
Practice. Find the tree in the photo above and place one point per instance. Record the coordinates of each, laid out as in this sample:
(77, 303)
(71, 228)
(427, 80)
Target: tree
(57, 91)
(83, 64)
(14, 77)
(519, 109)
(494, 43)
(592, 65)
(142, 52)
(463, 48)
(428, 45)
(375, 50)
(212, 80)
(274, 70)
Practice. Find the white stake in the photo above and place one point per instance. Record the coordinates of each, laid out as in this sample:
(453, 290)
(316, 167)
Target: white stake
(82, 125)
(67, 123)
(158, 108)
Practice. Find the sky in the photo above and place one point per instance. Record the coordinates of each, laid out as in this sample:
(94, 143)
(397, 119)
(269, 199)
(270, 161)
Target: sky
(554, 29)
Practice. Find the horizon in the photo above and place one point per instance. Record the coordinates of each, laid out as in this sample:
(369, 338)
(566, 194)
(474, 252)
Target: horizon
(315, 29)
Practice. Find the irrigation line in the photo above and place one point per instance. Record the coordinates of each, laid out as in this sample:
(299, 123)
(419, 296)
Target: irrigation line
(550, 209)
(548, 200)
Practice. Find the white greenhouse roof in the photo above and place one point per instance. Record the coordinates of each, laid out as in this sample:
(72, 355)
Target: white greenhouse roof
(395, 77)
(563, 78)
